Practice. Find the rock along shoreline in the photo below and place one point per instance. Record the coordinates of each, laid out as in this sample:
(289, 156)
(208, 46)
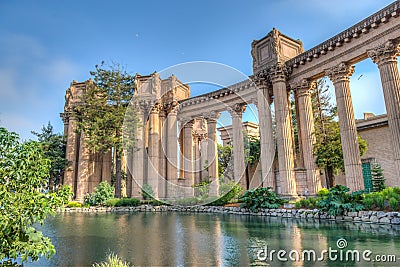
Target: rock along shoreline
(375, 217)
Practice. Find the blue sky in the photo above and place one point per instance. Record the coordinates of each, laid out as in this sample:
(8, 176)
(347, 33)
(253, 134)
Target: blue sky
(44, 45)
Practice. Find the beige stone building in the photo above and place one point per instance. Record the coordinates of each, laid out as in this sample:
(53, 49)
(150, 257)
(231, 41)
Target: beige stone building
(177, 143)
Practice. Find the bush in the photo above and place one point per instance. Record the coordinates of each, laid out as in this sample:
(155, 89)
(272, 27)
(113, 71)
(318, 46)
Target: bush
(297, 205)
(127, 202)
(258, 198)
(228, 192)
(111, 202)
(112, 261)
(338, 200)
(65, 193)
(187, 201)
(368, 202)
(101, 194)
(73, 204)
(393, 203)
(322, 193)
(202, 189)
(147, 192)
(379, 201)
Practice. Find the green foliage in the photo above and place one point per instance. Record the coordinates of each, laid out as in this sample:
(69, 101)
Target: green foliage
(65, 193)
(379, 201)
(393, 203)
(224, 159)
(227, 192)
(338, 200)
(187, 201)
(74, 204)
(24, 173)
(261, 198)
(127, 202)
(112, 261)
(103, 192)
(202, 189)
(111, 202)
(104, 111)
(307, 203)
(368, 202)
(297, 205)
(378, 180)
(147, 192)
(53, 148)
(322, 193)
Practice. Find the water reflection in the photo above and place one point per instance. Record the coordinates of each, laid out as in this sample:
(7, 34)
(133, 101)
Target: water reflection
(176, 239)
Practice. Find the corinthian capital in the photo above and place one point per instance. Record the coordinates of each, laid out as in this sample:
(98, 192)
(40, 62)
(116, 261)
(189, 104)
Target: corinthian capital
(278, 72)
(303, 87)
(387, 52)
(211, 116)
(341, 72)
(237, 109)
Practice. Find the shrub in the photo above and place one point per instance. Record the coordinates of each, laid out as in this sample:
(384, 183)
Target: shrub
(297, 205)
(322, 193)
(65, 193)
(147, 191)
(227, 191)
(304, 203)
(378, 180)
(111, 202)
(393, 203)
(255, 199)
(74, 204)
(127, 202)
(338, 200)
(368, 202)
(202, 189)
(103, 192)
(379, 201)
(187, 201)
(112, 261)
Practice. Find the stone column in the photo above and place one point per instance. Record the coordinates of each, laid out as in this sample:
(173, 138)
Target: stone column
(72, 154)
(203, 159)
(196, 158)
(306, 134)
(238, 145)
(283, 131)
(267, 145)
(162, 185)
(340, 77)
(83, 176)
(385, 56)
(172, 152)
(153, 148)
(138, 156)
(188, 151)
(212, 153)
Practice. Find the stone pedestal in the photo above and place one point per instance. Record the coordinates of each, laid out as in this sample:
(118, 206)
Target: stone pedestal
(385, 56)
(238, 145)
(283, 131)
(339, 75)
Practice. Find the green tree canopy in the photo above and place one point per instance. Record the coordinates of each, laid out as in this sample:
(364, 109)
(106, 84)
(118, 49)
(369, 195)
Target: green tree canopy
(24, 173)
(53, 147)
(101, 115)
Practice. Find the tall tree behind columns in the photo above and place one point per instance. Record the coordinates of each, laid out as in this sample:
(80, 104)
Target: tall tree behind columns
(101, 115)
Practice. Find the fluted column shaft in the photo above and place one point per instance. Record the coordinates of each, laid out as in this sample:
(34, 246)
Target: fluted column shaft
(188, 155)
(153, 149)
(267, 146)
(385, 56)
(71, 154)
(162, 186)
(306, 130)
(238, 145)
(172, 154)
(138, 157)
(197, 160)
(212, 156)
(283, 132)
(339, 75)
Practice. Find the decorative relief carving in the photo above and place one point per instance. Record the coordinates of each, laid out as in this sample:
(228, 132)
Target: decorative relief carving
(278, 72)
(237, 109)
(211, 116)
(387, 52)
(341, 72)
(303, 87)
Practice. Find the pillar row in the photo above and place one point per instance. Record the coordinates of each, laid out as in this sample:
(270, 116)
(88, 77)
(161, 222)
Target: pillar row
(212, 153)
(340, 77)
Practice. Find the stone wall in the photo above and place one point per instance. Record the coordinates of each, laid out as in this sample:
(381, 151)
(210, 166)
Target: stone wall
(377, 217)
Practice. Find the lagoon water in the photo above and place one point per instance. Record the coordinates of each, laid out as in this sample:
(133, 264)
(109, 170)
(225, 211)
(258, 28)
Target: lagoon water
(187, 239)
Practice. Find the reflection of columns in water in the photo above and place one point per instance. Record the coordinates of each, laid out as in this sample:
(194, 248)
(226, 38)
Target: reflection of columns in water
(306, 134)
(340, 77)
(385, 56)
(267, 146)
(283, 131)
(238, 146)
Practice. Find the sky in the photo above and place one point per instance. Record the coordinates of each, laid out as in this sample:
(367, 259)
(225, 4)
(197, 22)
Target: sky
(44, 45)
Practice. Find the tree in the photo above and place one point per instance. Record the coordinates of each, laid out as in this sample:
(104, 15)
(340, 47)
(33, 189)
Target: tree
(378, 180)
(328, 146)
(53, 147)
(224, 160)
(252, 152)
(101, 115)
(24, 173)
